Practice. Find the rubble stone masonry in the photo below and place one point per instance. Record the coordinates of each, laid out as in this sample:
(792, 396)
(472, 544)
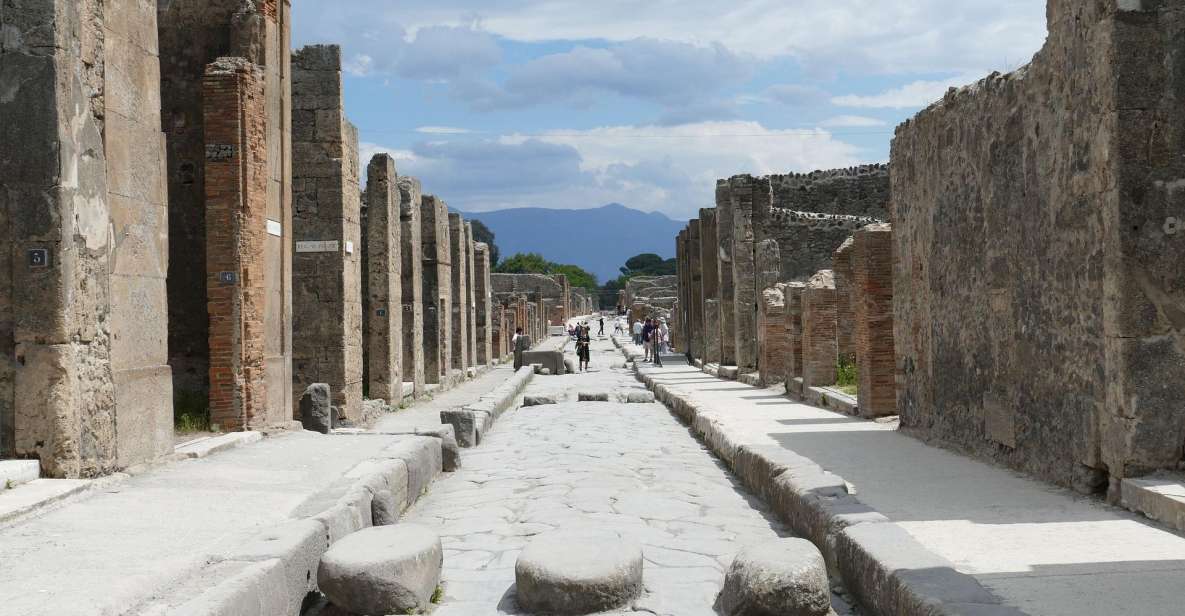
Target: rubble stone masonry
(84, 385)
(748, 194)
(844, 310)
(327, 272)
(384, 289)
(412, 280)
(1038, 241)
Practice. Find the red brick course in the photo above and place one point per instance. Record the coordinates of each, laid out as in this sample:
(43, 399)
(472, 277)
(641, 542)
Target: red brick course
(872, 262)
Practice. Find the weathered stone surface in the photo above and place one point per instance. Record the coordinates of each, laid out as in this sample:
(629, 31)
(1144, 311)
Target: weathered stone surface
(412, 281)
(437, 289)
(578, 572)
(707, 297)
(539, 400)
(458, 253)
(382, 292)
(787, 577)
(316, 412)
(383, 570)
(639, 397)
(819, 346)
(553, 361)
(1046, 235)
(592, 396)
(327, 267)
(773, 341)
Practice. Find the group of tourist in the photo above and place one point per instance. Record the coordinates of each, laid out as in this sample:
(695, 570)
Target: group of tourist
(654, 337)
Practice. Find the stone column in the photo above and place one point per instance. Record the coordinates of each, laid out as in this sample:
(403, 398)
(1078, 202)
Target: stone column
(483, 325)
(460, 298)
(411, 256)
(695, 308)
(471, 285)
(748, 194)
(437, 293)
(725, 224)
(84, 385)
(844, 297)
(819, 349)
(772, 340)
(327, 267)
(384, 354)
(679, 313)
(872, 284)
(709, 317)
(236, 232)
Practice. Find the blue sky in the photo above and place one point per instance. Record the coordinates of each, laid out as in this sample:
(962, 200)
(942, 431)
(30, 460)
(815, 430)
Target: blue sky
(579, 103)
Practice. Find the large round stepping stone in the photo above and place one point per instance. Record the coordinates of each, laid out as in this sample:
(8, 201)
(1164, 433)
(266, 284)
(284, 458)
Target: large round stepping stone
(786, 577)
(578, 572)
(383, 570)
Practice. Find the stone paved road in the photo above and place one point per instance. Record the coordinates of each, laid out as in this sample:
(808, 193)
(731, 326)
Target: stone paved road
(630, 468)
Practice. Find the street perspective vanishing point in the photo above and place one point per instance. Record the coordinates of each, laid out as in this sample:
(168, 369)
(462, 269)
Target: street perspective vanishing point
(924, 361)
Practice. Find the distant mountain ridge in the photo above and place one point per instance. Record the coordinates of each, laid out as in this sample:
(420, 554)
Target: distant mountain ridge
(598, 240)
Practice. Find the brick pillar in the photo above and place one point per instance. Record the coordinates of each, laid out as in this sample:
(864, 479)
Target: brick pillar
(411, 294)
(872, 268)
(792, 296)
(471, 300)
(819, 349)
(483, 325)
(708, 317)
(384, 288)
(437, 291)
(327, 265)
(727, 287)
(844, 297)
(236, 228)
(460, 297)
(772, 342)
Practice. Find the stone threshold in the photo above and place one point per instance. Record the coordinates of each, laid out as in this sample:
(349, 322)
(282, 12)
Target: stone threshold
(1160, 497)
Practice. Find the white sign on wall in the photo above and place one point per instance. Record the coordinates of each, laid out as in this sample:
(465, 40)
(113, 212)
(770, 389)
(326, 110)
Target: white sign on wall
(275, 228)
(322, 246)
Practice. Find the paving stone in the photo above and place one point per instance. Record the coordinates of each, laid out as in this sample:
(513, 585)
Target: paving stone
(383, 570)
(578, 572)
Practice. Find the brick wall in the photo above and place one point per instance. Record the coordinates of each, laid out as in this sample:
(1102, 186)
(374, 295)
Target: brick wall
(872, 286)
(819, 349)
(844, 311)
(772, 341)
(792, 297)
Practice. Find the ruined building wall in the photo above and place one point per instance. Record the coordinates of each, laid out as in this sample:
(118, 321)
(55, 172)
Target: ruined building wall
(471, 285)
(383, 288)
(437, 288)
(412, 280)
(327, 273)
(84, 384)
(483, 325)
(724, 279)
(1038, 280)
(872, 316)
(192, 34)
(460, 291)
(708, 317)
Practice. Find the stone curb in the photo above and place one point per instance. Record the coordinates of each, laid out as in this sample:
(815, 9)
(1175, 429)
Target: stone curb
(206, 446)
(275, 572)
(471, 422)
(879, 562)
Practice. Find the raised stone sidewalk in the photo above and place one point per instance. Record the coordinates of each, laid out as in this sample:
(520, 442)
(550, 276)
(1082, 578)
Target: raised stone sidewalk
(909, 525)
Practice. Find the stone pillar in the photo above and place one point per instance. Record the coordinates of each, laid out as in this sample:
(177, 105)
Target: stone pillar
(471, 285)
(792, 296)
(236, 232)
(84, 385)
(748, 194)
(773, 342)
(844, 297)
(384, 353)
(708, 322)
(437, 292)
(725, 224)
(679, 313)
(460, 298)
(327, 266)
(872, 284)
(192, 34)
(411, 257)
(695, 307)
(769, 264)
(819, 349)
(484, 325)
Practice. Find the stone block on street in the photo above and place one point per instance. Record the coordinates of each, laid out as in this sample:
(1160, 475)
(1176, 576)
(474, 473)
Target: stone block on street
(593, 396)
(786, 577)
(316, 412)
(383, 570)
(578, 572)
(538, 400)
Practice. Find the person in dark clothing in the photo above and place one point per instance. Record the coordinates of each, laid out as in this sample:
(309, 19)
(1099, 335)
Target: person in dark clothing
(602, 332)
(647, 331)
(583, 342)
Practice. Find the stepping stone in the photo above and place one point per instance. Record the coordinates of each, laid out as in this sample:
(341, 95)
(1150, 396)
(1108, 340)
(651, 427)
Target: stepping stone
(538, 400)
(316, 413)
(383, 570)
(587, 396)
(578, 572)
(786, 577)
(640, 397)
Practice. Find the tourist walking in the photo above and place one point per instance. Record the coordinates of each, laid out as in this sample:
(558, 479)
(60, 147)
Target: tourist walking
(583, 341)
(647, 334)
(657, 340)
(638, 332)
(520, 343)
(602, 332)
(664, 336)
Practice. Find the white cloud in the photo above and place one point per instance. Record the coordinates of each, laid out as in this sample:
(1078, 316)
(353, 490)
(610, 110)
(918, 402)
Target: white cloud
(851, 121)
(911, 95)
(442, 130)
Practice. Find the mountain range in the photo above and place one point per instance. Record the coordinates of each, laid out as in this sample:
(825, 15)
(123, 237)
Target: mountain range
(600, 240)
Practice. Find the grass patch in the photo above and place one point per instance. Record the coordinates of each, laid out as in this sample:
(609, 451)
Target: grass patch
(191, 412)
(846, 376)
(438, 594)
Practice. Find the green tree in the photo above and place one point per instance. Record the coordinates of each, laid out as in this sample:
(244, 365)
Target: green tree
(524, 263)
(482, 233)
(576, 275)
(647, 264)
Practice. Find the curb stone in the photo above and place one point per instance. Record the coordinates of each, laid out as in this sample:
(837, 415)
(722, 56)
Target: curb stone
(877, 560)
(471, 422)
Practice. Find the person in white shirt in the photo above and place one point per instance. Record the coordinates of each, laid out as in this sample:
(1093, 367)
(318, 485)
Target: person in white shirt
(637, 332)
